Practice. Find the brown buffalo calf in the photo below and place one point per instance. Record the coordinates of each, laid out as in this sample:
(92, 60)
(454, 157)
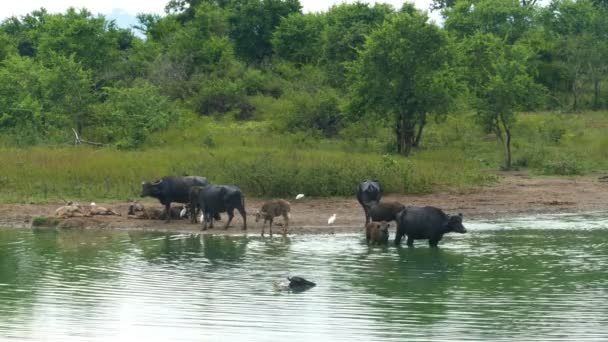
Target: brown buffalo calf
(377, 232)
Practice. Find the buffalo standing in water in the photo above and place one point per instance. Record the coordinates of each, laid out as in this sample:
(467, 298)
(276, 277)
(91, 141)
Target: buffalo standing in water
(215, 199)
(426, 223)
(369, 194)
(172, 189)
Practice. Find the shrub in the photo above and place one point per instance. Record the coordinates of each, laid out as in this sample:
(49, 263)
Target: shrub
(563, 167)
(129, 115)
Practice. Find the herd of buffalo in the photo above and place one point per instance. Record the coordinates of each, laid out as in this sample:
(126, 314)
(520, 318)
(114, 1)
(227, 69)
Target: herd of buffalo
(199, 195)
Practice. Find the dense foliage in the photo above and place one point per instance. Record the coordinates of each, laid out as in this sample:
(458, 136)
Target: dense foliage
(356, 69)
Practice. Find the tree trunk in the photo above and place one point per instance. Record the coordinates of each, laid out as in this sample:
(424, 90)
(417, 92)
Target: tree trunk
(506, 141)
(508, 149)
(407, 134)
(421, 124)
(596, 93)
(575, 94)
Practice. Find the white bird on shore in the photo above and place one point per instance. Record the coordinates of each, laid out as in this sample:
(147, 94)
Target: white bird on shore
(183, 212)
(299, 196)
(93, 204)
(331, 219)
(202, 217)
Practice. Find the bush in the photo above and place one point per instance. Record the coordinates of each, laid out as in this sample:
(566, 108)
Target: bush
(563, 167)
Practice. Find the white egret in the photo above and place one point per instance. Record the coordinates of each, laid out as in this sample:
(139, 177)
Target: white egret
(299, 196)
(183, 212)
(331, 219)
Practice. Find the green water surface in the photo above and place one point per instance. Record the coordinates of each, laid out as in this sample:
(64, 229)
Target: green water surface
(538, 278)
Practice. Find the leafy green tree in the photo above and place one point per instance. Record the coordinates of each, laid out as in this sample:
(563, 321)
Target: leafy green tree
(404, 72)
(498, 78)
(41, 98)
(443, 4)
(129, 115)
(581, 47)
(344, 36)
(508, 19)
(253, 23)
(297, 38)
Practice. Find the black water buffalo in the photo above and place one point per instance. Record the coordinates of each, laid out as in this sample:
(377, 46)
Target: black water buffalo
(385, 211)
(369, 194)
(215, 199)
(426, 223)
(172, 189)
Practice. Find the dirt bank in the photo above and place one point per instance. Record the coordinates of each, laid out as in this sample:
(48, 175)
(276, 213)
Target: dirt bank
(516, 194)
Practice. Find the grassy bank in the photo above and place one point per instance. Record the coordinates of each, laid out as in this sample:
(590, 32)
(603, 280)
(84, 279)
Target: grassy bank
(455, 155)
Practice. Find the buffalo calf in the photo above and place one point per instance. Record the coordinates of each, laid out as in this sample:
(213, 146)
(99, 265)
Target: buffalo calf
(377, 232)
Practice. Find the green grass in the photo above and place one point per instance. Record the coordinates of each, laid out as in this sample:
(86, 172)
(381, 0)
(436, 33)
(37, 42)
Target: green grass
(455, 156)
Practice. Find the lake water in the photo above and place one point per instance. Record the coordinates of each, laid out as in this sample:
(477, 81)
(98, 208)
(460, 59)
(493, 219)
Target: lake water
(543, 278)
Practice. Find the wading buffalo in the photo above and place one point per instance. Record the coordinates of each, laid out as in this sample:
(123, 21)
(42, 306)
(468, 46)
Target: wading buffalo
(172, 189)
(426, 223)
(385, 211)
(376, 232)
(215, 199)
(369, 194)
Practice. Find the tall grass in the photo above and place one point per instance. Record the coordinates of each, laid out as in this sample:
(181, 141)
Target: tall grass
(250, 155)
(455, 155)
(43, 174)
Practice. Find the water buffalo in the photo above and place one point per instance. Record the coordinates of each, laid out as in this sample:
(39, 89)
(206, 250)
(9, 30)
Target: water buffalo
(426, 223)
(369, 194)
(385, 211)
(172, 189)
(215, 199)
(377, 232)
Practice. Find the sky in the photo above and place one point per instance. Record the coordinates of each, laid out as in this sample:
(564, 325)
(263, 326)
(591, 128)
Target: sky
(124, 11)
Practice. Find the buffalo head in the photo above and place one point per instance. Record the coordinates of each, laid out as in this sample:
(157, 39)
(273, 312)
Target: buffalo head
(151, 189)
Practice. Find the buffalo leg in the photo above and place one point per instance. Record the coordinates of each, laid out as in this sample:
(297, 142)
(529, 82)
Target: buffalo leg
(168, 212)
(204, 221)
(410, 241)
(433, 243)
(244, 216)
(230, 217)
(398, 237)
(366, 215)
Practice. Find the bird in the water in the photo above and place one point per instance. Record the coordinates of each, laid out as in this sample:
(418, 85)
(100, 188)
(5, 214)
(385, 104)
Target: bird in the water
(299, 196)
(331, 219)
(183, 212)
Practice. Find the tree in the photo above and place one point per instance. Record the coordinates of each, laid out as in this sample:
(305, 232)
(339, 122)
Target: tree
(253, 23)
(443, 4)
(581, 47)
(344, 35)
(404, 71)
(507, 19)
(498, 78)
(297, 38)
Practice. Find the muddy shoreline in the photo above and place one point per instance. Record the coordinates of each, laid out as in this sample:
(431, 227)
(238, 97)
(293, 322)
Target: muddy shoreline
(516, 194)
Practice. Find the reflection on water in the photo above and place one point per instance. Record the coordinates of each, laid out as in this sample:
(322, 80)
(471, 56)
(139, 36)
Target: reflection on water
(536, 278)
